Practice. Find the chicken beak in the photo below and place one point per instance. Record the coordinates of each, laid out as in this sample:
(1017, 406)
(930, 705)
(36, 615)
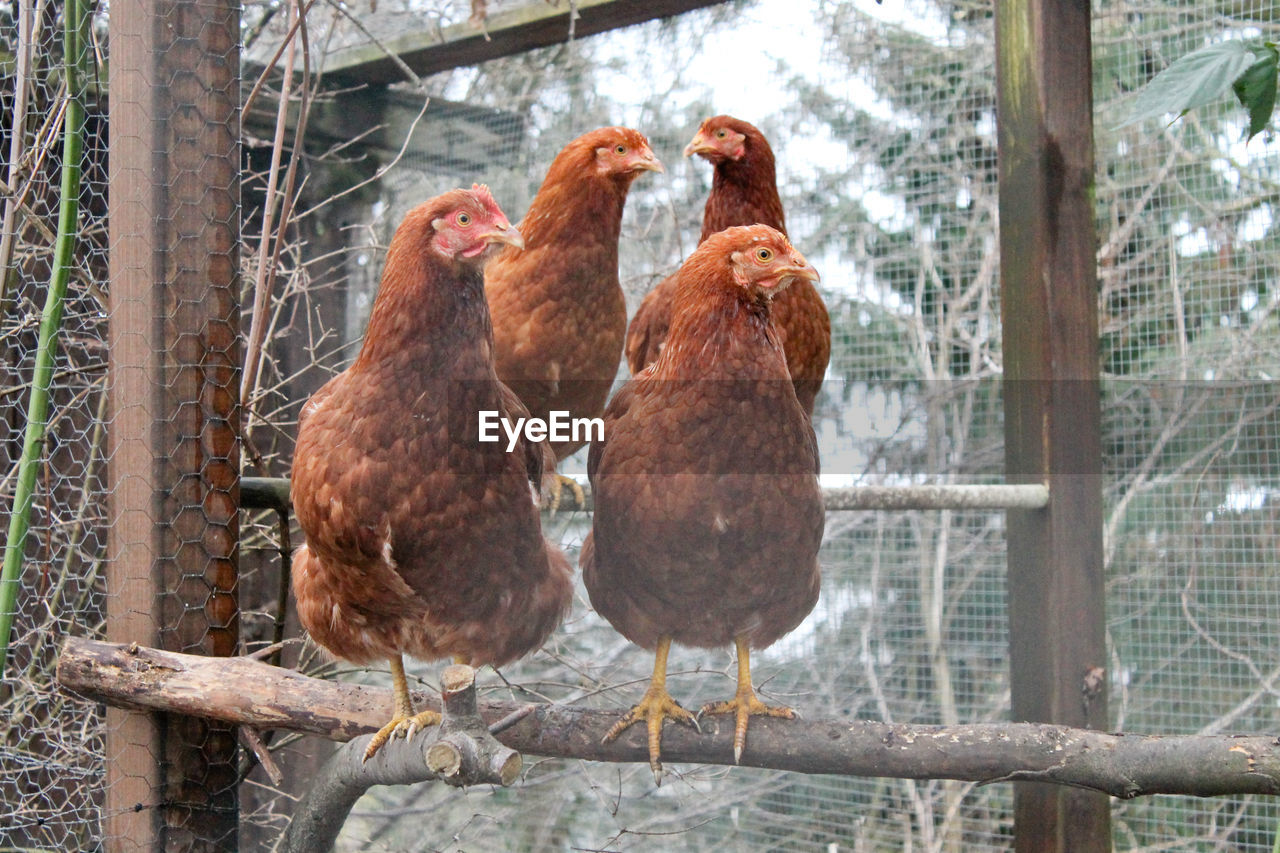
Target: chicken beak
(797, 269)
(646, 161)
(698, 145)
(505, 233)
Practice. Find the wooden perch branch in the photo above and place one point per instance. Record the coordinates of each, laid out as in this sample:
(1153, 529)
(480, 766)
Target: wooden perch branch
(250, 693)
(459, 752)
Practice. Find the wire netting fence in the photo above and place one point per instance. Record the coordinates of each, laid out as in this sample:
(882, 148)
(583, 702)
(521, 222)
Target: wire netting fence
(883, 120)
(1188, 315)
(51, 752)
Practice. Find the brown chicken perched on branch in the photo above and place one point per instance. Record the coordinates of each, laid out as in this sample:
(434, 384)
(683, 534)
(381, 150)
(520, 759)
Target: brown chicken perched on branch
(744, 191)
(708, 514)
(559, 314)
(420, 539)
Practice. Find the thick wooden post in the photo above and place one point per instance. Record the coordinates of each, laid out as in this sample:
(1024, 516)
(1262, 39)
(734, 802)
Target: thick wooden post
(1052, 415)
(174, 350)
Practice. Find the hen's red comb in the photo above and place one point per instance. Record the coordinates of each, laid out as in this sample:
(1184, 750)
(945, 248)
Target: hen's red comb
(482, 195)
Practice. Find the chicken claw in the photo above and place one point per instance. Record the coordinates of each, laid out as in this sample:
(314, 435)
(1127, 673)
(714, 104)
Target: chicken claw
(405, 727)
(557, 484)
(404, 723)
(655, 706)
(744, 703)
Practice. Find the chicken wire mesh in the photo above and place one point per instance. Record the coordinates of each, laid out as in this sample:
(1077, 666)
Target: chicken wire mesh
(71, 774)
(884, 125)
(50, 747)
(1187, 301)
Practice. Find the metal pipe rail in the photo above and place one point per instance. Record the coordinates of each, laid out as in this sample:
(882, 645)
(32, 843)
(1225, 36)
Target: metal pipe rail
(273, 493)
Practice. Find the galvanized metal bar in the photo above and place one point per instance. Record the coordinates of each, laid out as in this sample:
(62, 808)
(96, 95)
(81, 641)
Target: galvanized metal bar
(273, 493)
(959, 497)
(265, 493)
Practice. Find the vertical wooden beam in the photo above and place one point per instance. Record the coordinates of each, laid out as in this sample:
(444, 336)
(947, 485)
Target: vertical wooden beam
(174, 456)
(132, 789)
(1052, 414)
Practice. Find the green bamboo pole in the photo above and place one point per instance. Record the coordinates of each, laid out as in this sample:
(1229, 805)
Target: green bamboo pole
(50, 323)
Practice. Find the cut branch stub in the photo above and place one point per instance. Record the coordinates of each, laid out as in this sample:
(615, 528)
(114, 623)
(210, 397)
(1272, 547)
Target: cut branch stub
(444, 758)
(465, 753)
(454, 682)
(460, 759)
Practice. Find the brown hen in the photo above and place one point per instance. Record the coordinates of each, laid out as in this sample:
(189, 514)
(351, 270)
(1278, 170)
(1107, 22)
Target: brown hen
(708, 514)
(559, 315)
(420, 539)
(744, 191)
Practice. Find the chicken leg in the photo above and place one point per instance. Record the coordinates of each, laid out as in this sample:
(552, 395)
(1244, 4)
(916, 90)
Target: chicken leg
(404, 723)
(654, 707)
(744, 704)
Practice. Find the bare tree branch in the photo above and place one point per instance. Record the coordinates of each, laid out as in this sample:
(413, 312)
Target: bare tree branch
(247, 692)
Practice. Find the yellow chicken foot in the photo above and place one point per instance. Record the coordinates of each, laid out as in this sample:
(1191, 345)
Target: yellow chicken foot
(654, 707)
(744, 704)
(404, 723)
(557, 484)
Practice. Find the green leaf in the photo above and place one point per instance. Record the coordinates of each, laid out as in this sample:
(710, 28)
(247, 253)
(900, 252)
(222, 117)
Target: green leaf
(1194, 80)
(1256, 90)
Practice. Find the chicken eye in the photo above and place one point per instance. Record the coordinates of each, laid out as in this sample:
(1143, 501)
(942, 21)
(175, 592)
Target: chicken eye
(764, 255)
(621, 149)
(464, 219)
(721, 133)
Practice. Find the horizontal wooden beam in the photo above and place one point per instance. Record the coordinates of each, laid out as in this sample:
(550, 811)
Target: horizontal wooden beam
(273, 493)
(250, 693)
(443, 136)
(504, 33)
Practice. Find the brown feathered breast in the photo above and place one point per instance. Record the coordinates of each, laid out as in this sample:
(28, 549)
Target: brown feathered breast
(559, 313)
(708, 515)
(420, 539)
(744, 191)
